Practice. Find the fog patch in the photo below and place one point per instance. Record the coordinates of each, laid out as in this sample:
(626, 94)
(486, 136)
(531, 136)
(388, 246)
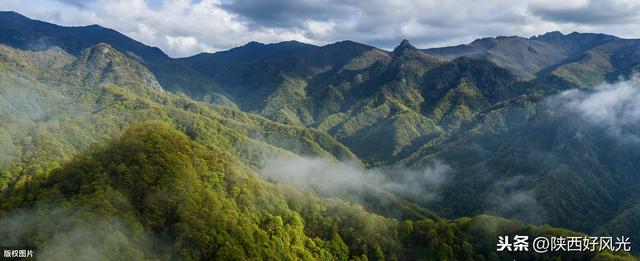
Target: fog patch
(510, 199)
(23, 102)
(612, 106)
(337, 179)
(8, 151)
(63, 233)
(40, 44)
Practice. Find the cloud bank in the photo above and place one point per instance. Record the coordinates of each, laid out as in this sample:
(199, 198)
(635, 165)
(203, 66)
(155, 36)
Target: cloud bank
(186, 27)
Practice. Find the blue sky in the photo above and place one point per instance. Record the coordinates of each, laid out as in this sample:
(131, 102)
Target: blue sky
(186, 27)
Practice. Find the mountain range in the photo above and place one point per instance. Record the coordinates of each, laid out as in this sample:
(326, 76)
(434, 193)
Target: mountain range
(159, 155)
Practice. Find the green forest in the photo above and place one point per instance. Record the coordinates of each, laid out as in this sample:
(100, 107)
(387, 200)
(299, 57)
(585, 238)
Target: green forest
(154, 193)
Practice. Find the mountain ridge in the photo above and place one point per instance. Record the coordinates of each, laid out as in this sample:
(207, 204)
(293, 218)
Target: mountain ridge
(43, 34)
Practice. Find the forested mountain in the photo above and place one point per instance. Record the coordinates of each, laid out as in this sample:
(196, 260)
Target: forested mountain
(27, 34)
(169, 158)
(155, 193)
(543, 54)
(56, 105)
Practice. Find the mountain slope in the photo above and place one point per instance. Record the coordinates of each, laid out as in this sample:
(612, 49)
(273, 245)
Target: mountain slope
(360, 94)
(27, 34)
(280, 78)
(538, 161)
(20, 32)
(156, 194)
(215, 63)
(523, 56)
(405, 98)
(573, 56)
(50, 115)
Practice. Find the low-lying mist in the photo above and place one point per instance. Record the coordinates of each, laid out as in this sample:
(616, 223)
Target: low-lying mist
(62, 233)
(612, 106)
(334, 179)
(511, 199)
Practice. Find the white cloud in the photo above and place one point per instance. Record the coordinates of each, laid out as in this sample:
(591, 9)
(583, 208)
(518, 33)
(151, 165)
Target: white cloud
(185, 44)
(508, 198)
(320, 29)
(179, 27)
(613, 106)
(185, 27)
(589, 12)
(338, 179)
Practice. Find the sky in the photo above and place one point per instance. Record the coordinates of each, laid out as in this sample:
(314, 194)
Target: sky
(187, 27)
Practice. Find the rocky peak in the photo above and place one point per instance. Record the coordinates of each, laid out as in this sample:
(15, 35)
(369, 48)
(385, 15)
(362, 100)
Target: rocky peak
(403, 48)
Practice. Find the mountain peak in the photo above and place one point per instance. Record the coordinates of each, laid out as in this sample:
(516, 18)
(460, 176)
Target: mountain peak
(100, 55)
(104, 63)
(11, 13)
(24, 33)
(548, 36)
(403, 47)
(12, 18)
(254, 44)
